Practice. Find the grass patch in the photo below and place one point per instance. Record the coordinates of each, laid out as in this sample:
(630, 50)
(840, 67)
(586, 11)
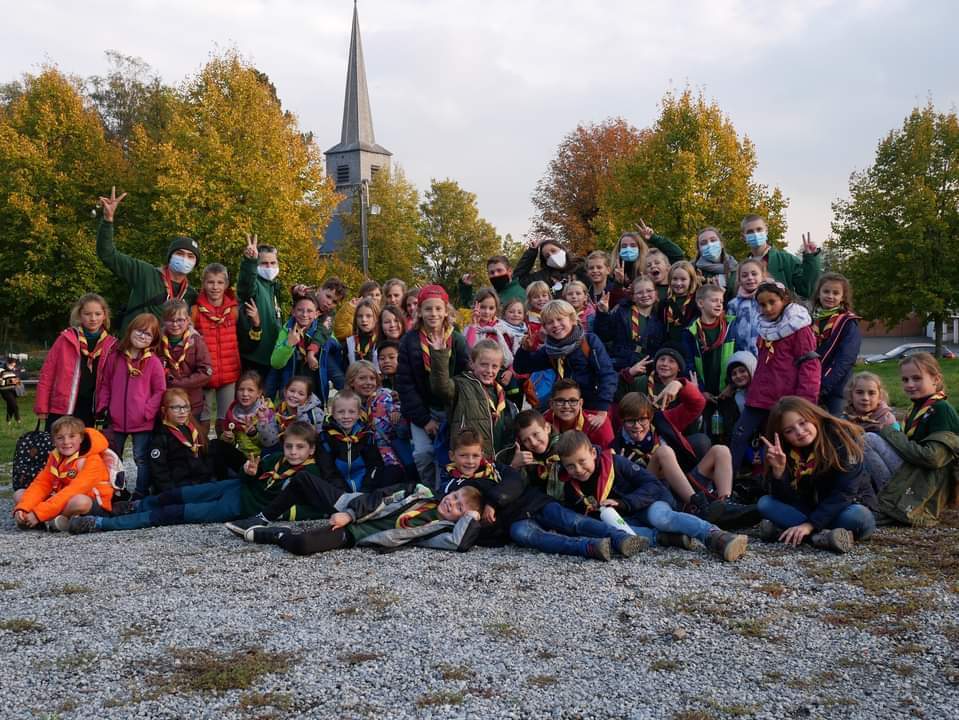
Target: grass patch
(440, 697)
(542, 681)
(693, 715)
(9, 434)
(751, 627)
(76, 661)
(449, 671)
(10, 584)
(503, 631)
(358, 658)
(73, 589)
(20, 625)
(904, 669)
(734, 710)
(664, 665)
(773, 590)
(258, 700)
(910, 648)
(880, 617)
(347, 611)
(205, 670)
(68, 705)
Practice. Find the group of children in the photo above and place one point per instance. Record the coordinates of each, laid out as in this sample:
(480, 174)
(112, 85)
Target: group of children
(591, 407)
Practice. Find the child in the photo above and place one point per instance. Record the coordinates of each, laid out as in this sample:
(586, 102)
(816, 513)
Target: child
(361, 345)
(184, 354)
(239, 427)
(575, 354)
(628, 328)
(393, 292)
(787, 363)
(744, 306)
(388, 354)
(303, 347)
(411, 302)
(537, 296)
(485, 324)
(669, 367)
(215, 318)
(576, 295)
(598, 271)
(915, 469)
(75, 480)
(9, 386)
(677, 311)
(535, 452)
(596, 479)
(820, 490)
(299, 403)
(657, 267)
(732, 400)
(513, 328)
(392, 324)
(381, 407)
(133, 385)
(475, 399)
(260, 482)
(629, 256)
(712, 261)
(421, 407)
(837, 335)
(867, 403)
(70, 379)
(566, 413)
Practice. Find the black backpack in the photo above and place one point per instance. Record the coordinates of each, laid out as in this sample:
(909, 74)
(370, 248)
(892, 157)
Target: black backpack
(33, 449)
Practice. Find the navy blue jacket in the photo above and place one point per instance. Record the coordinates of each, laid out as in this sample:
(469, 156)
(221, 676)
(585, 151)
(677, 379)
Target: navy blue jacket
(412, 381)
(594, 373)
(614, 328)
(838, 354)
(634, 488)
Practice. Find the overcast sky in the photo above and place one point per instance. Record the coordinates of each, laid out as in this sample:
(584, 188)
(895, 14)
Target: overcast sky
(483, 91)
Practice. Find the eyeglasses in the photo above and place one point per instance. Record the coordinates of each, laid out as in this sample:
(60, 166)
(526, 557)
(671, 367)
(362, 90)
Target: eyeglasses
(178, 408)
(178, 320)
(566, 402)
(636, 421)
(143, 333)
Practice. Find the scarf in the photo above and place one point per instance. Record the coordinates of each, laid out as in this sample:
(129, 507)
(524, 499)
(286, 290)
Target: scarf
(306, 336)
(558, 350)
(425, 346)
(246, 422)
(485, 471)
(677, 308)
(135, 365)
(605, 475)
(551, 418)
(167, 278)
(215, 315)
(193, 442)
(921, 410)
(175, 355)
(350, 438)
(826, 321)
(533, 317)
(361, 350)
(408, 519)
(718, 270)
(636, 323)
(804, 464)
(794, 317)
(285, 415)
(275, 475)
(704, 346)
(641, 450)
(495, 408)
(85, 351)
(63, 469)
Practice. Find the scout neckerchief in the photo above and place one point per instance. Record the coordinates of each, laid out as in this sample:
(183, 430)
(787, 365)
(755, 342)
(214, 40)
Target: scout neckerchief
(676, 312)
(497, 408)
(85, 351)
(63, 468)
(651, 383)
(485, 471)
(543, 465)
(193, 442)
(172, 294)
(408, 518)
(246, 423)
(350, 438)
(425, 345)
(704, 346)
(605, 476)
(364, 350)
(306, 336)
(804, 464)
(179, 351)
(214, 314)
(636, 323)
(642, 450)
(135, 365)
(275, 475)
(919, 411)
(284, 416)
(826, 321)
(769, 345)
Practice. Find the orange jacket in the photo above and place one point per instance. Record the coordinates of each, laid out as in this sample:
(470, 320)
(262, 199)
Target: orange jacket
(47, 496)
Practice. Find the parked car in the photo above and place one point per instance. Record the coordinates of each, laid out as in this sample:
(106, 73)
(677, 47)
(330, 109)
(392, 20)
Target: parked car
(904, 351)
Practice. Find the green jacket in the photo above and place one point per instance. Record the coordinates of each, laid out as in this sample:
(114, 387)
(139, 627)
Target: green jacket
(513, 291)
(258, 492)
(799, 276)
(923, 485)
(147, 290)
(265, 294)
(671, 250)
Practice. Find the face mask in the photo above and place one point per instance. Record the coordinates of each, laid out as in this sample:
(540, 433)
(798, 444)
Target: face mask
(711, 251)
(756, 240)
(180, 264)
(557, 260)
(500, 282)
(629, 254)
(267, 273)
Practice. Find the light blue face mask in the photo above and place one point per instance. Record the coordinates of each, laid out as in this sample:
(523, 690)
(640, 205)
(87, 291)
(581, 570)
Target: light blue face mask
(755, 240)
(629, 254)
(712, 250)
(180, 264)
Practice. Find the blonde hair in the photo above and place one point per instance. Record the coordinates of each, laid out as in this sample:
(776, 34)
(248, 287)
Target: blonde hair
(356, 368)
(537, 288)
(559, 308)
(67, 423)
(859, 377)
(78, 306)
(688, 268)
(928, 365)
(576, 283)
(599, 255)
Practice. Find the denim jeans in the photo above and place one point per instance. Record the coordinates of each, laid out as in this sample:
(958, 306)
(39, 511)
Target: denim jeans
(141, 455)
(662, 517)
(561, 531)
(209, 502)
(751, 420)
(881, 460)
(856, 518)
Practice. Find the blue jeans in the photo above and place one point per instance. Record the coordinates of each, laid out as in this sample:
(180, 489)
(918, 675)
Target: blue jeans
(751, 420)
(856, 518)
(209, 502)
(662, 517)
(561, 531)
(141, 455)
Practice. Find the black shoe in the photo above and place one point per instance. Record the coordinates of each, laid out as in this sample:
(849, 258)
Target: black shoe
(728, 546)
(628, 545)
(839, 540)
(676, 540)
(600, 549)
(80, 524)
(266, 535)
(697, 505)
(239, 527)
(768, 532)
(731, 515)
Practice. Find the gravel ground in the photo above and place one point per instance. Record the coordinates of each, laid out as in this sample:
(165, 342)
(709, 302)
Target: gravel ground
(191, 622)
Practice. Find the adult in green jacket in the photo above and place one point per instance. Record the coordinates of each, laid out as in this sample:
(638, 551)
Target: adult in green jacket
(500, 276)
(257, 284)
(150, 286)
(799, 277)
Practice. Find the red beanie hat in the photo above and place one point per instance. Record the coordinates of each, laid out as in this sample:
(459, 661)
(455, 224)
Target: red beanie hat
(430, 292)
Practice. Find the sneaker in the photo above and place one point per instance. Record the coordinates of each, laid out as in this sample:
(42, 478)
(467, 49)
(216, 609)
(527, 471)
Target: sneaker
(768, 532)
(61, 523)
(123, 507)
(697, 505)
(676, 540)
(628, 545)
(80, 524)
(239, 527)
(838, 540)
(728, 546)
(600, 549)
(730, 515)
(266, 535)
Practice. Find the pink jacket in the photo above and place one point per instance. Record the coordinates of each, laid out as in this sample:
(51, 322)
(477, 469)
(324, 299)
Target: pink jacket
(781, 345)
(133, 401)
(60, 374)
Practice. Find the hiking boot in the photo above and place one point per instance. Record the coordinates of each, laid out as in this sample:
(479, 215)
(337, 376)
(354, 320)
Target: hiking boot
(728, 546)
(731, 515)
(239, 527)
(123, 507)
(80, 524)
(838, 540)
(266, 535)
(59, 524)
(697, 505)
(676, 540)
(768, 531)
(599, 549)
(628, 545)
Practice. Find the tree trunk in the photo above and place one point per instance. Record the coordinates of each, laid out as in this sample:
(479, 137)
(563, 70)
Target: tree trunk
(938, 320)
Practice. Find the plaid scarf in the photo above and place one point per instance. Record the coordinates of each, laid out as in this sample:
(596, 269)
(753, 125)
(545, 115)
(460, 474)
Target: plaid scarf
(918, 412)
(85, 351)
(193, 442)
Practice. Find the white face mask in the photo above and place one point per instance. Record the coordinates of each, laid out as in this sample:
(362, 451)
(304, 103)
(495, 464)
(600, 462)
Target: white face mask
(557, 260)
(267, 273)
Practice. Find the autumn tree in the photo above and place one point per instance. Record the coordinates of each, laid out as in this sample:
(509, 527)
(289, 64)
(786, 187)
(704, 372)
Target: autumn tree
(455, 239)
(567, 196)
(896, 235)
(54, 162)
(690, 170)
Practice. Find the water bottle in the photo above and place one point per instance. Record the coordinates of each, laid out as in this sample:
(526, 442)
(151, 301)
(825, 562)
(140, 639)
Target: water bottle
(716, 425)
(609, 516)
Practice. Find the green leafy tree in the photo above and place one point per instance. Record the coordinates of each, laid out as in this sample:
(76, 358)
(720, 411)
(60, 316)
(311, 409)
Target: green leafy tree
(455, 239)
(691, 170)
(896, 234)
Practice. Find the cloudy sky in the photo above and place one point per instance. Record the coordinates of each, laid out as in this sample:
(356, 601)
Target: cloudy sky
(483, 91)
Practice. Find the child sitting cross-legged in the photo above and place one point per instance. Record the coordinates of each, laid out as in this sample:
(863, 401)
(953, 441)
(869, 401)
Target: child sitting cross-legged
(75, 481)
(595, 479)
(298, 403)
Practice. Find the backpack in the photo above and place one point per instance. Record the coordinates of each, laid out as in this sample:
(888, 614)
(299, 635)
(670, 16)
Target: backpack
(30, 455)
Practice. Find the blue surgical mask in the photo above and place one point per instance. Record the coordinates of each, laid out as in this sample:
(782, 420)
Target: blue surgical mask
(756, 240)
(712, 250)
(180, 264)
(629, 254)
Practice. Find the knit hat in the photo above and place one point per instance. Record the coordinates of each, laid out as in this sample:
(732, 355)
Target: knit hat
(744, 358)
(183, 243)
(431, 292)
(673, 352)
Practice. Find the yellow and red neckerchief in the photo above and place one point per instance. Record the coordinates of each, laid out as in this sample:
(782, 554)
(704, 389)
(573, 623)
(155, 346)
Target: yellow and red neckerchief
(193, 442)
(276, 475)
(97, 351)
(405, 520)
(361, 350)
(672, 316)
(180, 349)
(425, 346)
(636, 451)
(168, 284)
(769, 345)
(495, 409)
(212, 315)
(63, 468)
(605, 477)
(283, 417)
(823, 330)
(706, 347)
(350, 438)
(917, 413)
(635, 325)
(485, 471)
(804, 464)
(135, 365)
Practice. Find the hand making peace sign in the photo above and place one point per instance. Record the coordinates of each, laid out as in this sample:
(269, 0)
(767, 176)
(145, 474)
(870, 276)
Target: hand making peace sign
(775, 457)
(251, 250)
(808, 246)
(109, 204)
(644, 230)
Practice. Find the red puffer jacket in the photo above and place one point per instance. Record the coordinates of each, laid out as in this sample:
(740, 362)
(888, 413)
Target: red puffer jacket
(60, 375)
(217, 325)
